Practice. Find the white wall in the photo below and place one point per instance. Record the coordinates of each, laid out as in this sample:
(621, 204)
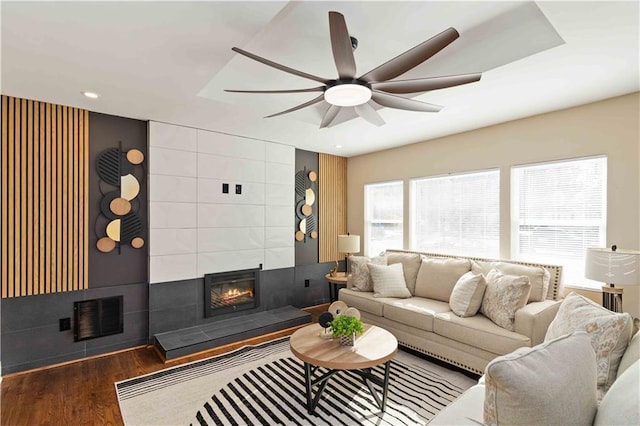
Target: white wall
(196, 229)
(608, 127)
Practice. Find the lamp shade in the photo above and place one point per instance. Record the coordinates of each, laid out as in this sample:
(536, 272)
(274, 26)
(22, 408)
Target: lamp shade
(620, 267)
(349, 243)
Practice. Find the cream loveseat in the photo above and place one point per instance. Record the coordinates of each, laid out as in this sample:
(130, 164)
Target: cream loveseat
(422, 318)
(586, 372)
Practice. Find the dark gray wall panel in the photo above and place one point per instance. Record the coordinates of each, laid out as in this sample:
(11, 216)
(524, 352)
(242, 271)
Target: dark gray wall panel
(130, 266)
(30, 327)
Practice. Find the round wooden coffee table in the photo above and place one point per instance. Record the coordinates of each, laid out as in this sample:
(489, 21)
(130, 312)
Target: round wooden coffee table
(375, 347)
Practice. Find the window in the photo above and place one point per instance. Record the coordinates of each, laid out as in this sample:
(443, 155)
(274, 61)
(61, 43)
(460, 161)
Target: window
(383, 217)
(457, 214)
(558, 210)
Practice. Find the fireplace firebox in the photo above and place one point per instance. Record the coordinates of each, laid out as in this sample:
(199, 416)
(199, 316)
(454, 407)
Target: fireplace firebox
(227, 292)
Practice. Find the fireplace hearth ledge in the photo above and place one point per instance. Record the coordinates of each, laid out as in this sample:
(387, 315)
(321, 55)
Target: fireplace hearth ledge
(187, 341)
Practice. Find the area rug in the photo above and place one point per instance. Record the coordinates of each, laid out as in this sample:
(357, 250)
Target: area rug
(264, 385)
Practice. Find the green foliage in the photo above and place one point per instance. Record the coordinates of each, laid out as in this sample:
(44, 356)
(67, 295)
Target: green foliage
(343, 325)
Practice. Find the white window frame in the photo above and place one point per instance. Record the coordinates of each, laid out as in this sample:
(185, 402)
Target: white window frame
(480, 252)
(571, 278)
(368, 221)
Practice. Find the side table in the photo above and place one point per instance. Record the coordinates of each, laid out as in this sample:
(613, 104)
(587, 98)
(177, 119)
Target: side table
(339, 280)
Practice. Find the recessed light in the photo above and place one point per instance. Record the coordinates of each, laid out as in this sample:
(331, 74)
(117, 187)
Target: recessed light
(91, 95)
(338, 146)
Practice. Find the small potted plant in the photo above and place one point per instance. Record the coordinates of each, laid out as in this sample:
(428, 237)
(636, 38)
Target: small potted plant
(345, 328)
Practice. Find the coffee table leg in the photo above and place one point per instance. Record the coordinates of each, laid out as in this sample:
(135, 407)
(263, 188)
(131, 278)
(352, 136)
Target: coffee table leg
(385, 386)
(309, 386)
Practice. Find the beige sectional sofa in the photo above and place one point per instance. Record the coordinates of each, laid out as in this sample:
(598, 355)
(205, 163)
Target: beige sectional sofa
(589, 376)
(428, 324)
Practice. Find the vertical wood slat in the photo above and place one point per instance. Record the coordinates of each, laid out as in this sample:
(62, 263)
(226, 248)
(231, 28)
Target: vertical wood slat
(23, 198)
(44, 190)
(332, 204)
(5, 193)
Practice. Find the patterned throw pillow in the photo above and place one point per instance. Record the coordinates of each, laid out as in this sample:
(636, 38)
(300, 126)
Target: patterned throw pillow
(388, 281)
(360, 278)
(505, 294)
(549, 384)
(610, 333)
(466, 296)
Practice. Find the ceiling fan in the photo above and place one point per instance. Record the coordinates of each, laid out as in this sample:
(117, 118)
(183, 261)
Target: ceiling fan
(376, 85)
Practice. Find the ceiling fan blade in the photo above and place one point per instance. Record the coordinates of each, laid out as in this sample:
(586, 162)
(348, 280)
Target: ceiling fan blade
(424, 84)
(295, 108)
(341, 46)
(312, 89)
(279, 66)
(412, 57)
(329, 116)
(393, 101)
(367, 112)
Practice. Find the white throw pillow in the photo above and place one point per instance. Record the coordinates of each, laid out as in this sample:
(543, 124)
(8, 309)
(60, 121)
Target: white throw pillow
(410, 265)
(549, 384)
(610, 333)
(467, 294)
(505, 294)
(437, 277)
(388, 281)
(359, 278)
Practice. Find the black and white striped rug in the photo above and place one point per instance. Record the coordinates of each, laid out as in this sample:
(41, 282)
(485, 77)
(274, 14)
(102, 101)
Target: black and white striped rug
(264, 385)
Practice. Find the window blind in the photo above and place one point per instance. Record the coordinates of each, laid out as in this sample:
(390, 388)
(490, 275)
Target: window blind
(383, 217)
(457, 214)
(558, 209)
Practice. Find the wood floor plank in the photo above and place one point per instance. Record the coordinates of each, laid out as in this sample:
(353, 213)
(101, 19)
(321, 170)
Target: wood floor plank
(83, 392)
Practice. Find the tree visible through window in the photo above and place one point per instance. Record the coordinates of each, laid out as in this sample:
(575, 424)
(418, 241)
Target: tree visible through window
(558, 209)
(383, 217)
(457, 214)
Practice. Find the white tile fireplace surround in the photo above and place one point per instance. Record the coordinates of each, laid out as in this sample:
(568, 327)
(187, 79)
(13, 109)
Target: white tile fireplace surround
(195, 228)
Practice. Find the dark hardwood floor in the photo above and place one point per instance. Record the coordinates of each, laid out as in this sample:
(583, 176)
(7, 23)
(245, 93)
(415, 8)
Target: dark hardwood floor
(83, 392)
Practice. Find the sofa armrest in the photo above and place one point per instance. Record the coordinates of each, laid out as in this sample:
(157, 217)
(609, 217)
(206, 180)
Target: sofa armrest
(534, 319)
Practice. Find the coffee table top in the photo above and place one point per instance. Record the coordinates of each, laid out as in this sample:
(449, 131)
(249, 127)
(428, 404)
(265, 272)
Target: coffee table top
(376, 346)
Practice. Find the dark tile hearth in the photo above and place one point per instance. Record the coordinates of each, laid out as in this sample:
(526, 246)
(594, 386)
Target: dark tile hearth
(186, 341)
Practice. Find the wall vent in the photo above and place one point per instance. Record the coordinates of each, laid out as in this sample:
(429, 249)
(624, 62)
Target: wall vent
(97, 318)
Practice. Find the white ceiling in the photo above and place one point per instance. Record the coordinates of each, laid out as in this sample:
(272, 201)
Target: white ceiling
(170, 61)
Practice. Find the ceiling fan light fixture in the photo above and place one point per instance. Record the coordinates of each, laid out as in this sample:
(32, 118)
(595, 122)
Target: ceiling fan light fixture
(347, 94)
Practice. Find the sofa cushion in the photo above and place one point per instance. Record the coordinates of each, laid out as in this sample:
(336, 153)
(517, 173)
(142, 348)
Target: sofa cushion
(610, 333)
(437, 277)
(359, 278)
(363, 301)
(410, 265)
(631, 354)
(549, 384)
(466, 410)
(415, 312)
(478, 331)
(467, 294)
(620, 405)
(505, 294)
(388, 281)
(538, 276)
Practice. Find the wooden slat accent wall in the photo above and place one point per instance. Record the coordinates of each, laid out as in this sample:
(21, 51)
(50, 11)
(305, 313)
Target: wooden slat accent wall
(45, 181)
(332, 204)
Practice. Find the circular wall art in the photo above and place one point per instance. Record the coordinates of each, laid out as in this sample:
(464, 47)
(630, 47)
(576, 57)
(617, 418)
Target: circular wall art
(306, 210)
(121, 174)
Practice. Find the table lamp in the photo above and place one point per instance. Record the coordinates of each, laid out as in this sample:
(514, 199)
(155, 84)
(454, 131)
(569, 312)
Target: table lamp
(615, 267)
(348, 244)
